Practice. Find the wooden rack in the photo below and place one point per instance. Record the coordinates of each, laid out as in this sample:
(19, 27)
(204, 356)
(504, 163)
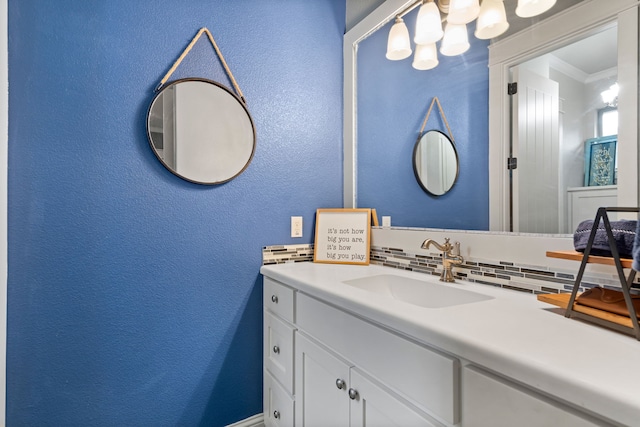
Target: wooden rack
(593, 259)
(621, 323)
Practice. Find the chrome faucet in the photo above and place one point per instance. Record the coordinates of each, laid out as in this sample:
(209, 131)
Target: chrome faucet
(450, 257)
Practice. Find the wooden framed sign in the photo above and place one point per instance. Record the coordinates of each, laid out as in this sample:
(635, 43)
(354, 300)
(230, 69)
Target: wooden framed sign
(343, 236)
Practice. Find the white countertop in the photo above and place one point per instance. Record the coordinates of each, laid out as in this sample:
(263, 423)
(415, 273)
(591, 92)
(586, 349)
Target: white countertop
(514, 334)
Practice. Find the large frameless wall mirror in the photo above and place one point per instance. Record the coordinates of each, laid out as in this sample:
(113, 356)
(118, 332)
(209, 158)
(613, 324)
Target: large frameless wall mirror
(577, 21)
(201, 131)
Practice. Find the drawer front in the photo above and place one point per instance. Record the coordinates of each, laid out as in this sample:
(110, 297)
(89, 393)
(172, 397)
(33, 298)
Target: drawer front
(490, 401)
(278, 406)
(278, 299)
(425, 377)
(278, 350)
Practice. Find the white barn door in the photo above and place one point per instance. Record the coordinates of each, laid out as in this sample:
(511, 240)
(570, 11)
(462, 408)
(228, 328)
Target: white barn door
(536, 141)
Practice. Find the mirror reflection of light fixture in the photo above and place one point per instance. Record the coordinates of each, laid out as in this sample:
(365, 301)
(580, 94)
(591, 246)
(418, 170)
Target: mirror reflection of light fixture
(398, 44)
(426, 57)
(529, 8)
(463, 11)
(455, 40)
(428, 24)
(610, 96)
(492, 22)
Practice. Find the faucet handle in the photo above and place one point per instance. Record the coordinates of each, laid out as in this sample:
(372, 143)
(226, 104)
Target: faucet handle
(456, 249)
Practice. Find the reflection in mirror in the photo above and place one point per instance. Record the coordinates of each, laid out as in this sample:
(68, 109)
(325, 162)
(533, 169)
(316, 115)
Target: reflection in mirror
(555, 110)
(435, 162)
(392, 101)
(201, 131)
(580, 86)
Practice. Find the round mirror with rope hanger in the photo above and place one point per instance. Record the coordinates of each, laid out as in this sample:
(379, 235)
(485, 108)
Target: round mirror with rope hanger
(199, 129)
(435, 158)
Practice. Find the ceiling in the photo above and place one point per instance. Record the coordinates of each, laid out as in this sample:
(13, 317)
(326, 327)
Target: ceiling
(602, 47)
(602, 51)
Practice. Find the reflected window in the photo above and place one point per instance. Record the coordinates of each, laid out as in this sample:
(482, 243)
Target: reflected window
(608, 121)
(607, 126)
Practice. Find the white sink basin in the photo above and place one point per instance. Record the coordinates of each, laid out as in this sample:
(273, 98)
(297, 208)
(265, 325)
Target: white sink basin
(417, 292)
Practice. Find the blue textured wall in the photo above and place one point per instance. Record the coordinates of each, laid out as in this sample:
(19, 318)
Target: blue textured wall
(393, 99)
(134, 297)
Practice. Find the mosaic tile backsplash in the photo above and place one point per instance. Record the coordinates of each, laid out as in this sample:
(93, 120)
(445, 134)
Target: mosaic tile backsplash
(504, 274)
(280, 254)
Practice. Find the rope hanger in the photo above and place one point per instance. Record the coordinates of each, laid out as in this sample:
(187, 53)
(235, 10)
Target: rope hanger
(218, 52)
(444, 118)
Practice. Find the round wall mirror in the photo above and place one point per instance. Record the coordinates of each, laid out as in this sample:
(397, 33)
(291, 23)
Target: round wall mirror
(201, 131)
(435, 162)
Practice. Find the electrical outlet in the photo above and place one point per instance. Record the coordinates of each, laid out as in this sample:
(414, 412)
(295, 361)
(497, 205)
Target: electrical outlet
(386, 221)
(296, 226)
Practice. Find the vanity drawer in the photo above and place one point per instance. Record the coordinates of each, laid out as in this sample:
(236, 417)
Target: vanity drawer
(278, 349)
(427, 378)
(278, 407)
(492, 401)
(278, 299)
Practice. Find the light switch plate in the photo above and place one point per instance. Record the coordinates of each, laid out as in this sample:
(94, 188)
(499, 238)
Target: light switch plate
(296, 226)
(386, 221)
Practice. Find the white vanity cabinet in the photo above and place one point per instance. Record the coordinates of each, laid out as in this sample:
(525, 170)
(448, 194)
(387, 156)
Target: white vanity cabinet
(347, 371)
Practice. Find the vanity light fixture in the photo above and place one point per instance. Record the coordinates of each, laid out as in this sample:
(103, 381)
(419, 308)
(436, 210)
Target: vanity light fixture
(492, 22)
(610, 96)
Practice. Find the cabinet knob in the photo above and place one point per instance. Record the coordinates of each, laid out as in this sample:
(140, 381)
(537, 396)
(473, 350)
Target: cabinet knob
(353, 394)
(340, 384)
(276, 349)
(274, 299)
(276, 414)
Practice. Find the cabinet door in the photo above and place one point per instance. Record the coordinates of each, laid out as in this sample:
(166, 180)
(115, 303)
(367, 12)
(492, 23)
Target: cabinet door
(321, 383)
(374, 407)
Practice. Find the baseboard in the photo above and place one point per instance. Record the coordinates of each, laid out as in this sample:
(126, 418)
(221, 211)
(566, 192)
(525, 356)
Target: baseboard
(255, 421)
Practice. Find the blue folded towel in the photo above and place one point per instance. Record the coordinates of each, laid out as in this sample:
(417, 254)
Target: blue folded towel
(636, 250)
(624, 234)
